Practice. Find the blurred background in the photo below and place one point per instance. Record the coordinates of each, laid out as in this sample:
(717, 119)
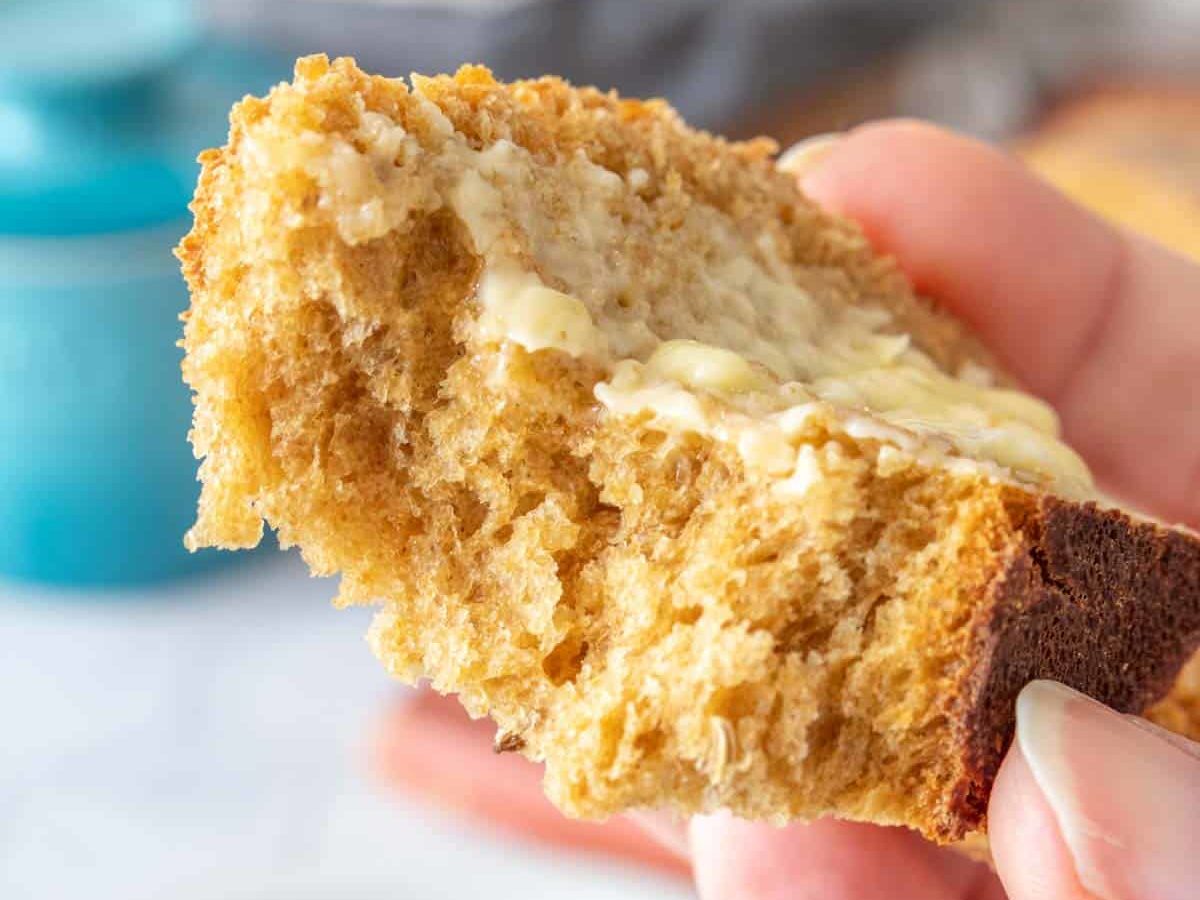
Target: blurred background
(206, 726)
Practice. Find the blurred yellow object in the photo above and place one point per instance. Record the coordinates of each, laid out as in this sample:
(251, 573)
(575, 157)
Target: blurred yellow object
(1133, 156)
(1132, 195)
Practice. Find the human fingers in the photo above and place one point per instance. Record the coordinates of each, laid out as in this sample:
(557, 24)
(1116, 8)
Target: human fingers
(1090, 803)
(1103, 324)
(427, 746)
(830, 860)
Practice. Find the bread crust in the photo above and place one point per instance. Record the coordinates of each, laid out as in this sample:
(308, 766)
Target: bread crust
(1082, 599)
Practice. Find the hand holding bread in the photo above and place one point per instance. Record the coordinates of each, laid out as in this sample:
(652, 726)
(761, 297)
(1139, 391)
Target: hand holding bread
(663, 468)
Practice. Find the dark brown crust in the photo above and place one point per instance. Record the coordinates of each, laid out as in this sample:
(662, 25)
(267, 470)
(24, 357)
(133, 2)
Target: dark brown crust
(1091, 598)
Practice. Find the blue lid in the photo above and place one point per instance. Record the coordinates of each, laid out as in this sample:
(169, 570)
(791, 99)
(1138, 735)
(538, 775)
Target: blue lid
(104, 105)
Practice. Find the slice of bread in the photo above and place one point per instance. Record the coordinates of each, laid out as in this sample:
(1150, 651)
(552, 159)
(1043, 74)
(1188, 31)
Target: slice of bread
(646, 457)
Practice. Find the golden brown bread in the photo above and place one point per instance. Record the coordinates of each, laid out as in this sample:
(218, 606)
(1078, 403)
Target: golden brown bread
(663, 616)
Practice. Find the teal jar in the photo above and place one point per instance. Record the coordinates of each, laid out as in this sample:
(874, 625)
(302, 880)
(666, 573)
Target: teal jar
(103, 108)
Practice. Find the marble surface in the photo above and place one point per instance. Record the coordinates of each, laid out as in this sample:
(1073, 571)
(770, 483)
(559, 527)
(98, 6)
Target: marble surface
(208, 740)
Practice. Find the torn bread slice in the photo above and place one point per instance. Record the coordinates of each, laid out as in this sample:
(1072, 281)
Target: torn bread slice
(644, 456)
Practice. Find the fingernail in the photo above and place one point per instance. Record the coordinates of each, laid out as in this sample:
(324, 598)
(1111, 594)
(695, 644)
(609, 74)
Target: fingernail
(1126, 799)
(805, 155)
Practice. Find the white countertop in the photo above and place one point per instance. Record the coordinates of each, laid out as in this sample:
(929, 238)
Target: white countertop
(208, 740)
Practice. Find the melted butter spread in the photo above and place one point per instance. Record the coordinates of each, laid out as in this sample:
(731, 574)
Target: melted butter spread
(769, 347)
(704, 366)
(732, 346)
(519, 308)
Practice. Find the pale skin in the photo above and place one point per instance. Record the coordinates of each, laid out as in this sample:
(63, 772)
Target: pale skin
(1104, 325)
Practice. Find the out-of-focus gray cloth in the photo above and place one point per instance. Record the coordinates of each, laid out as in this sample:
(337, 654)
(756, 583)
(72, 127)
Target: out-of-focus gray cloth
(990, 71)
(714, 59)
(983, 66)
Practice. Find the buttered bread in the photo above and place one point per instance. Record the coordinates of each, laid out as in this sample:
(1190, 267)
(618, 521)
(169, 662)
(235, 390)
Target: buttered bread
(646, 457)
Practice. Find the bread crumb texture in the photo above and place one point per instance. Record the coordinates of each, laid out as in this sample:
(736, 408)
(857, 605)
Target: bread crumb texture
(634, 604)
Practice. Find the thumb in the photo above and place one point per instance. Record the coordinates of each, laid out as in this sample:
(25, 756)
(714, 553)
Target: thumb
(1091, 803)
